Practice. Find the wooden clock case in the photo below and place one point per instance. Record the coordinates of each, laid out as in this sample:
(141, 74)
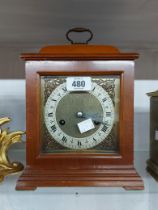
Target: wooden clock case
(78, 169)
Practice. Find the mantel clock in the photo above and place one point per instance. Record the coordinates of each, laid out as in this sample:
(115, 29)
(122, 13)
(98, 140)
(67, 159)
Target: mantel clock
(79, 118)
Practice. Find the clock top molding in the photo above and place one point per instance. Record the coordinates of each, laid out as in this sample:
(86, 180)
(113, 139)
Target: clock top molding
(79, 52)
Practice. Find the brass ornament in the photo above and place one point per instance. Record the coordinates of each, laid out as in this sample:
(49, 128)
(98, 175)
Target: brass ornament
(6, 140)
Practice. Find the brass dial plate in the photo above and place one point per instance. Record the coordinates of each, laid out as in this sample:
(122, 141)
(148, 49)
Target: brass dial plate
(72, 103)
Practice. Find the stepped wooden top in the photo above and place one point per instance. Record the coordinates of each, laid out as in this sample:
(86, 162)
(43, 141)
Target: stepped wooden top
(79, 52)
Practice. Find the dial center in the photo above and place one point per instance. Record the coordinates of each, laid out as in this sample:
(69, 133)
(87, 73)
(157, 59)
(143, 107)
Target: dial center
(79, 114)
(73, 108)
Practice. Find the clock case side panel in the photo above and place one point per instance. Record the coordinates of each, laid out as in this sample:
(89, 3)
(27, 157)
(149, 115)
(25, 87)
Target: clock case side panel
(32, 115)
(72, 169)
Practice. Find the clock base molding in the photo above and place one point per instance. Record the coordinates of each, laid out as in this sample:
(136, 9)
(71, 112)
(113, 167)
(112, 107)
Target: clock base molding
(152, 168)
(125, 177)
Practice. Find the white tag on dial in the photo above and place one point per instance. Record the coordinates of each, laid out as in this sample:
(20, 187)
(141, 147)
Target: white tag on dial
(85, 125)
(78, 84)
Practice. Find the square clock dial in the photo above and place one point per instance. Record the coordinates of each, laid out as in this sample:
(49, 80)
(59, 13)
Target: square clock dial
(80, 119)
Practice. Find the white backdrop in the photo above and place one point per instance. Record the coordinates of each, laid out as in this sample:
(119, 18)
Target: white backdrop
(12, 104)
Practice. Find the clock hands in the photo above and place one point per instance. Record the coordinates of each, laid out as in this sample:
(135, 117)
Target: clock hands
(95, 117)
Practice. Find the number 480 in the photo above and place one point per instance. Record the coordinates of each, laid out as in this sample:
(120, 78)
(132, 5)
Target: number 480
(78, 83)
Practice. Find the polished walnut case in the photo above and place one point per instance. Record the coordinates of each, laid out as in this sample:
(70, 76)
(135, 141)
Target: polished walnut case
(77, 168)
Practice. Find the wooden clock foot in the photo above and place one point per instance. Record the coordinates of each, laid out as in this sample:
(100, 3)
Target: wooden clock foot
(141, 187)
(21, 186)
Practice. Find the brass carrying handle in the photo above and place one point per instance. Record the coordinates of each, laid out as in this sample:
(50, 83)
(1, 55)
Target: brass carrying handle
(79, 30)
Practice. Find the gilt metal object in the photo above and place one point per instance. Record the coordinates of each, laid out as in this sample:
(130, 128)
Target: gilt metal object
(6, 140)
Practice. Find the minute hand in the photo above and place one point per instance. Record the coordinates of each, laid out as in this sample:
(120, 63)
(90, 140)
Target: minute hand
(94, 117)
